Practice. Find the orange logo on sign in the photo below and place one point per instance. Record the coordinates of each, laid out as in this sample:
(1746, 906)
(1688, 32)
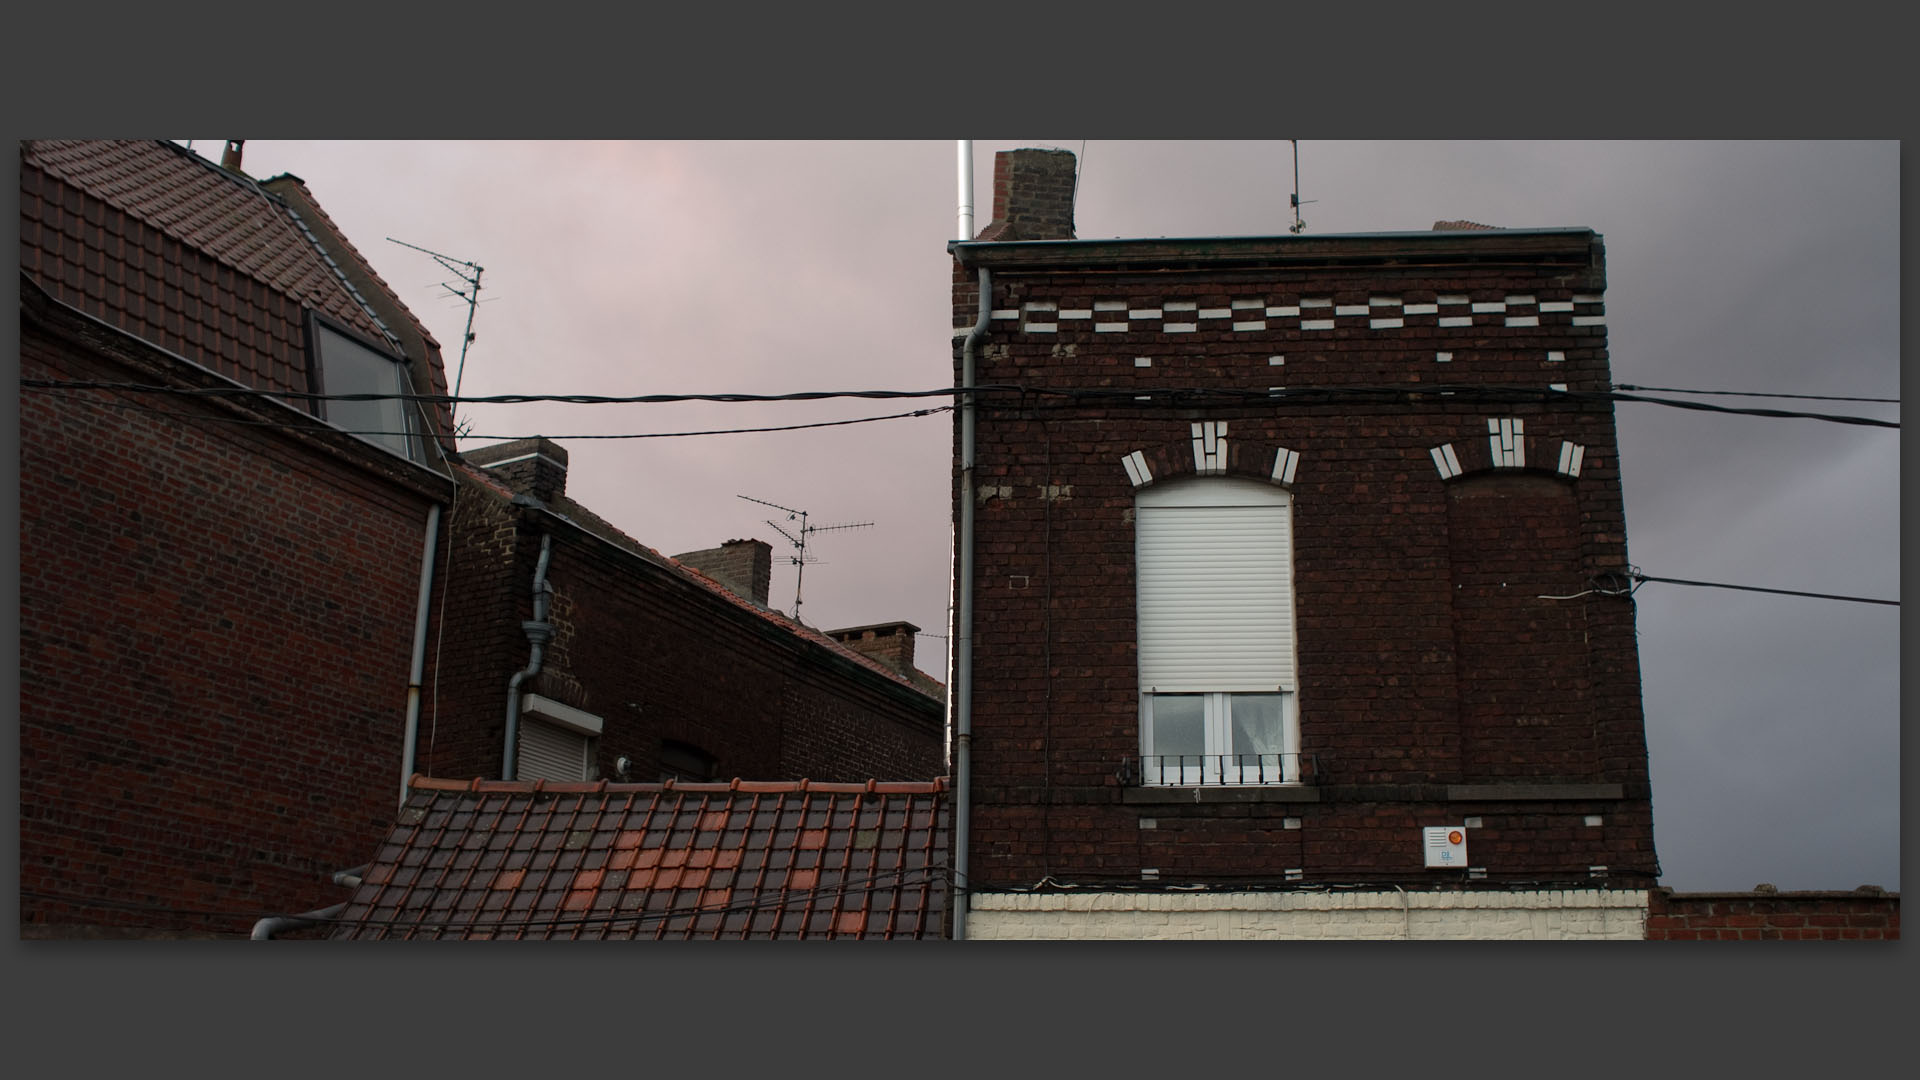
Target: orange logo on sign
(1454, 837)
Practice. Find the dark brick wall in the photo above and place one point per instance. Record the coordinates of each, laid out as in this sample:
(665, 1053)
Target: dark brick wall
(745, 566)
(1866, 914)
(215, 631)
(657, 657)
(1426, 658)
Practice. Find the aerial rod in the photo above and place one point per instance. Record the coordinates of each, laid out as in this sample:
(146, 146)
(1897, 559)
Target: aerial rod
(800, 558)
(459, 268)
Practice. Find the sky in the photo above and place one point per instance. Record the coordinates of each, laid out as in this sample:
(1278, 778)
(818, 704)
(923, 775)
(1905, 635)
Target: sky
(1773, 722)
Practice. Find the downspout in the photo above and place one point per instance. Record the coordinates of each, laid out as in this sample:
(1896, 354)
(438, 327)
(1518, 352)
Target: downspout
(274, 924)
(412, 741)
(539, 632)
(963, 633)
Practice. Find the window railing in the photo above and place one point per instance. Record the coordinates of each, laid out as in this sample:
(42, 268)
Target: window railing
(1203, 770)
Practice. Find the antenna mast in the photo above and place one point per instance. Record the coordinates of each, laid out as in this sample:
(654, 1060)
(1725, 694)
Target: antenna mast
(471, 294)
(1298, 226)
(798, 538)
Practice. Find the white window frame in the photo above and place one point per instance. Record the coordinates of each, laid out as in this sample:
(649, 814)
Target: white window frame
(1177, 601)
(562, 727)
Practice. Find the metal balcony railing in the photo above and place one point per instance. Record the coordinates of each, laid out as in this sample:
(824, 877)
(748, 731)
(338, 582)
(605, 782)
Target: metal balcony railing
(1205, 770)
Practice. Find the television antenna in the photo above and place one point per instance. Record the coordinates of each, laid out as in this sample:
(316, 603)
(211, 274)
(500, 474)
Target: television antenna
(797, 536)
(471, 294)
(1298, 226)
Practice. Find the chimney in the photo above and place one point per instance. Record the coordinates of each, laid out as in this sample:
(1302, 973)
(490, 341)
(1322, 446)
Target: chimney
(230, 157)
(1032, 196)
(536, 467)
(745, 567)
(889, 643)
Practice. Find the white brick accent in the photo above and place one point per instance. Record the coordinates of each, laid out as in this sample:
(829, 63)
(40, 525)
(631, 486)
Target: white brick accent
(1143, 361)
(1571, 455)
(1075, 313)
(1589, 320)
(1109, 328)
(1537, 914)
(1386, 324)
(1287, 311)
(1143, 313)
(1040, 305)
(1210, 448)
(1456, 320)
(1383, 301)
(1495, 306)
(1216, 313)
(1177, 327)
(1507, 438)
(1556, 305)
(1445, 461)
(1590, 298)
(1284, 461)
(1442, 357)
(1276, 361)
(1255, 325)
(1042, 327)
(1420, 309)
(1006, 313)
(1519, 299)
(1523, 320)
(1554, 356)
(1350, 309)
(1137, 470)
(1109, 305)
(1316, 324)
(1180, 305)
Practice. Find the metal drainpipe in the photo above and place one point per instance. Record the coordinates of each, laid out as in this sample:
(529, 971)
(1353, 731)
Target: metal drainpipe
(266, 928)
(539, 632)
(963, 633)
(412, 740)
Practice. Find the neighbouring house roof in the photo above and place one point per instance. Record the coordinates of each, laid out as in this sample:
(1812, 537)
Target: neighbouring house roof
(201, 261)
(750, 860)
(593, 524)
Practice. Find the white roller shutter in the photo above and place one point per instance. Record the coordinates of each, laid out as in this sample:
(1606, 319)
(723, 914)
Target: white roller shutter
(1214, 588)
(550, 752)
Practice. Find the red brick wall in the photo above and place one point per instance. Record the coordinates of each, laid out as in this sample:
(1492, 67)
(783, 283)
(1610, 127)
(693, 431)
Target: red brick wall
(1417, 668)
(215, 630)
(1862, 915)
(656, 656)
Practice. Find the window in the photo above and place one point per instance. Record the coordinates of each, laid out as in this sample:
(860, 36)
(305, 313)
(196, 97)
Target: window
(556, 741)
(1214, 579)
(685, 762)
(345, 365)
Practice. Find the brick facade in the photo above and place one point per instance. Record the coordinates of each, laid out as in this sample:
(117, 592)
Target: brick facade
(1436, 686)
(1865, 914)
(215, 627)
(656, 651)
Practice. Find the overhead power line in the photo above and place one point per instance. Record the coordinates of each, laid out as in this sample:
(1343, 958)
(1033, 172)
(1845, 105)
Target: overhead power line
(1742, 393)
(1192, 396)
(1637, 576)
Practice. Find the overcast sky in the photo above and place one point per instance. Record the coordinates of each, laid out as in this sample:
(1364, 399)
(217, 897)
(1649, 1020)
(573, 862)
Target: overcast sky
(637, 268)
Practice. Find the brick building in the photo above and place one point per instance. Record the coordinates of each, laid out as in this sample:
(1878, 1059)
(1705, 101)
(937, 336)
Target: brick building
(218, 585)
(1293, 568)
(647, 666)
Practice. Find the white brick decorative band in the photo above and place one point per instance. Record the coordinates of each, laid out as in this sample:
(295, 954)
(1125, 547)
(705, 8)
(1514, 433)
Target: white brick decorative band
(1284, 461)
(1445, 461)
(1571, 455)
(1137, 470)
(1311, 313)
(1303, 915)
(1210, 448)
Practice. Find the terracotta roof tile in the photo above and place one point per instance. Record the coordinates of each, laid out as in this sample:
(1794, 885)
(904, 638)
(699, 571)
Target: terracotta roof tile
(486, 859)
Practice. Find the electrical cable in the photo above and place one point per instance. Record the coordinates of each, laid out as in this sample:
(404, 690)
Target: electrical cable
(1740, 393)
(1637, 576)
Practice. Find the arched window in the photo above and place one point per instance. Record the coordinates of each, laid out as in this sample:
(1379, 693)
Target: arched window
(1214, 587)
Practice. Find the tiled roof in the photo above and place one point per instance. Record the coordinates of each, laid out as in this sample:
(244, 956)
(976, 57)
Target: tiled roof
(499, 859)
(1463, 226)
(155, 240)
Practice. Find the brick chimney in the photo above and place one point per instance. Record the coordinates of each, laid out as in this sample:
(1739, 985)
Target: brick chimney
(536, 467)
(230, 155)
(1032, 196)
(890, 643)
(744, 566)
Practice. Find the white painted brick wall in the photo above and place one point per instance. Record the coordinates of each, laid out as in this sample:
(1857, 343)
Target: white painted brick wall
(1537, 915)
